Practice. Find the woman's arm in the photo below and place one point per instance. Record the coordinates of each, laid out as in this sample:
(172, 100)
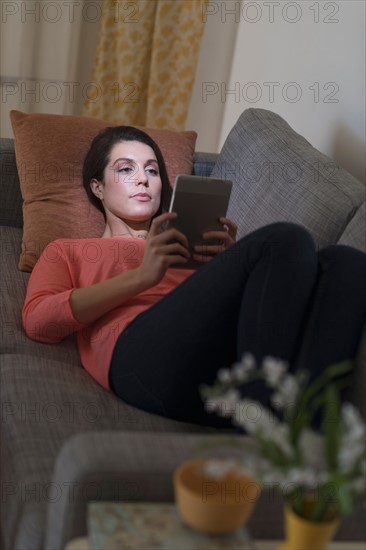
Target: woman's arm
(54, 308)
(162, 250)
(90, 303)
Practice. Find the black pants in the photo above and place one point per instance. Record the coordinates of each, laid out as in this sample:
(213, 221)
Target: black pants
(269, 294)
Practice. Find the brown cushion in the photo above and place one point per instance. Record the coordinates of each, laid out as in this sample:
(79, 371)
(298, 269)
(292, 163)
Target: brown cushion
(50, 150)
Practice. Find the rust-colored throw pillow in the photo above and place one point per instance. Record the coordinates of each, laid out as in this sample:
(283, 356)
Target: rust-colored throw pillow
(50, 151)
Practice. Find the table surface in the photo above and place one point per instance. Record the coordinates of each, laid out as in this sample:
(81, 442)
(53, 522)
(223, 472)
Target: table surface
(143, 525)
(83, 544)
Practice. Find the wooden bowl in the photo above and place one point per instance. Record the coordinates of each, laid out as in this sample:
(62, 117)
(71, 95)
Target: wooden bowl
(214, 505)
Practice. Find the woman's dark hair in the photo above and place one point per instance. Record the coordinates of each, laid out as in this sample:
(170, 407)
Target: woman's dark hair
(98, 157)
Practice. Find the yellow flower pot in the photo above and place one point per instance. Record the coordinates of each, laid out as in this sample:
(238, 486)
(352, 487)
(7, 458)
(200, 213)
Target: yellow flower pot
(213, 505)
(304, 534)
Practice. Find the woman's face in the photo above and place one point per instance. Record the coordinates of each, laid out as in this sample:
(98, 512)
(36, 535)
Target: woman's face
(132, 186)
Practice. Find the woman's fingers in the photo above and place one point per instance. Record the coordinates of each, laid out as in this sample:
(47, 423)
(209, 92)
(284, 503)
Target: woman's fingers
(223, 239)
(223, 236)
(155, 227)
(174, 249)
(232, 228)
(205, 252)
(168, 235)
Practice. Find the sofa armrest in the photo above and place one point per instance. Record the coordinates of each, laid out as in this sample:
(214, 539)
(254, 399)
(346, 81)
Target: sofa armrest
(113, 466)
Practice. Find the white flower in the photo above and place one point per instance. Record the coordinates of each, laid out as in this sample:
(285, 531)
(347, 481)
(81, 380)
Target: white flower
(281, 437)
(224, 376)
(358, 485)
(213, 404)
(224, 405)
(248, 361)
(241, 371)
(312, 448)
(254, 417)
(286, 394)
(307, 478)
(273, 370)
(270, 453)
(218, 468)
(352, 441)
(261, 422)
(349, 455)
(354, 426)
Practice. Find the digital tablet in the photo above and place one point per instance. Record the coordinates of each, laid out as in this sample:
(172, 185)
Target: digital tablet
(199, 202)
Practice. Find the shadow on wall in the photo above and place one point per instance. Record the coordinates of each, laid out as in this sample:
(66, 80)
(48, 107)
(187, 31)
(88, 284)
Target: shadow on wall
(348, 150)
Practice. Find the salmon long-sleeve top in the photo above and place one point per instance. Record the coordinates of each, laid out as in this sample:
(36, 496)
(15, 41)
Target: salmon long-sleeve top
(67, 264)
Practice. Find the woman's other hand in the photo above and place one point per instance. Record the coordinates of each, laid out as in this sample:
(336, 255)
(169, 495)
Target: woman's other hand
(163, 249)
(225, 239)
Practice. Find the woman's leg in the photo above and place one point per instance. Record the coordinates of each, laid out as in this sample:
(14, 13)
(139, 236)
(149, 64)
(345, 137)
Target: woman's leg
(338, 310)
(253, 297)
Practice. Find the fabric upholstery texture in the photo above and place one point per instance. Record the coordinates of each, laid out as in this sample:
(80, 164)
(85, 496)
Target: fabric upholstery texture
(37, 419)
(11, 198)
(50, 150)
(279, 176)
(355, 232)
(13, 284)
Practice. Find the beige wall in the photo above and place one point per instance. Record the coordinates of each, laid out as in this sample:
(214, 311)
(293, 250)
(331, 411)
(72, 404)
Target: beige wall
(303, 60)
(47, 51)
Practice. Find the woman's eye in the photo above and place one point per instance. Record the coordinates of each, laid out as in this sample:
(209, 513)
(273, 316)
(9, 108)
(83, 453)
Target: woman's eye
(152, 171)
(125, 170)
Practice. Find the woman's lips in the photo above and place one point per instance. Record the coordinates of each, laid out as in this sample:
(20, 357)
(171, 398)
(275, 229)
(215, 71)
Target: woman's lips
(141, 197)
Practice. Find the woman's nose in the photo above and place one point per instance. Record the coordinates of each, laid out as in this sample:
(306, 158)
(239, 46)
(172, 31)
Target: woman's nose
(141, 177)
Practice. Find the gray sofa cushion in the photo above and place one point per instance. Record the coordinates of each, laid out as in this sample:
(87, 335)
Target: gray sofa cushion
(11, 198)
(44, 403)
(355, 232)
(203, 163)
(279, 176)
(13, 288)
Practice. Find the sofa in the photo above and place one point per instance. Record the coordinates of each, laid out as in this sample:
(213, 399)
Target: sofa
(64, 439)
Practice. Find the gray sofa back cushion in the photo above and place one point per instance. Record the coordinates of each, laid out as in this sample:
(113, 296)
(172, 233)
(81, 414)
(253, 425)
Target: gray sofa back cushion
(355, 232)
(279, 176)
(11, 198)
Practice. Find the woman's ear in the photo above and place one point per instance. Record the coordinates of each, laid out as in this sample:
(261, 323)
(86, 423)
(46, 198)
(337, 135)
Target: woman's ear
(97, 188)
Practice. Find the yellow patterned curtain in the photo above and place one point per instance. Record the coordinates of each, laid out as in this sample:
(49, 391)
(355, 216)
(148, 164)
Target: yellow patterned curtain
(146, 60)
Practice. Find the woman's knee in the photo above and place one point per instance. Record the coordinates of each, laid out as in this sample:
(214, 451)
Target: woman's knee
(292, 236)
(345, 260)
(287, 239)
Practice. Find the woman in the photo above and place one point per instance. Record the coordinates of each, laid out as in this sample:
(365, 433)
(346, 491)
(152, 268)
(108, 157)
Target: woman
(151, 332)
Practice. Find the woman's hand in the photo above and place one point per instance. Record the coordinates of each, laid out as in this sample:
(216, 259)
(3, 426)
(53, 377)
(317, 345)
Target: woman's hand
(163, 249)
(224, 238)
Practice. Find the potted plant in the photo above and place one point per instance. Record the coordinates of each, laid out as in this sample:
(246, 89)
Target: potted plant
(307, 443)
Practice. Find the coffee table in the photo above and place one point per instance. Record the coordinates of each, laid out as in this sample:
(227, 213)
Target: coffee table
(112, 525)
(83, 544)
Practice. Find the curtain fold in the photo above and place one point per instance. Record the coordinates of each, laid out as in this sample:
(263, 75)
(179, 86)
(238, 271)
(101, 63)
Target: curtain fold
(145, 63)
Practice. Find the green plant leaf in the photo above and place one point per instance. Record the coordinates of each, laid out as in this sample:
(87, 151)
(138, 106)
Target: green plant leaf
(326, 505)
(331, 427)
(305, 410)
(273, 452)
(345, 500)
